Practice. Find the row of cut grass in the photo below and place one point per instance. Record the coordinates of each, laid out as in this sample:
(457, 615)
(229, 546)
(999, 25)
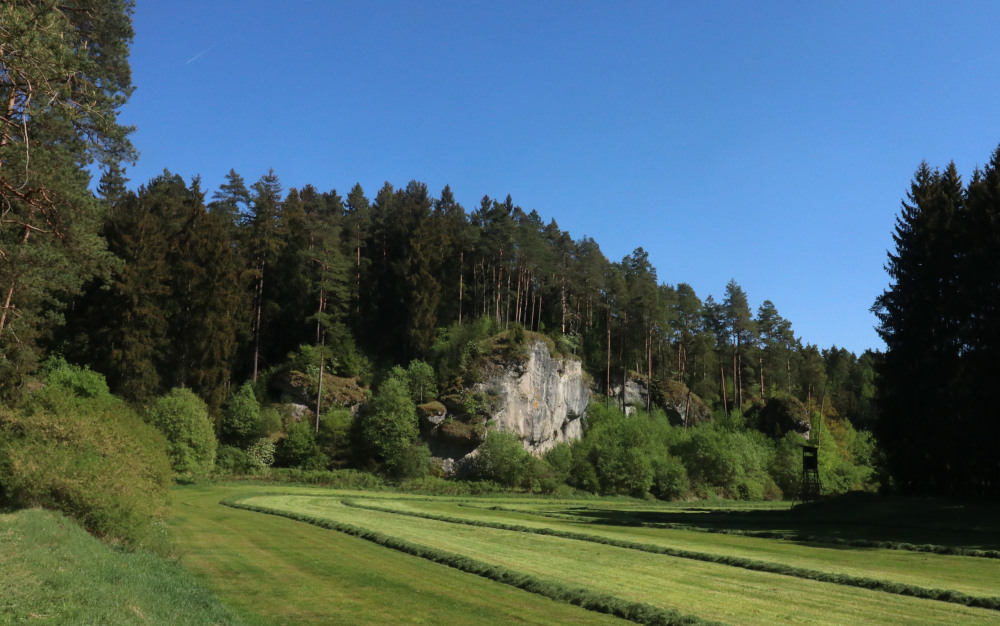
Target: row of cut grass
(708, 590)
(601, 603)
(922, 575)
(290, 572)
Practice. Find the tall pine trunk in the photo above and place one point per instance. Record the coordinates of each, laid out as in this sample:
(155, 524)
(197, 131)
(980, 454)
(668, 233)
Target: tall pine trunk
(725, 404)
(256, 330)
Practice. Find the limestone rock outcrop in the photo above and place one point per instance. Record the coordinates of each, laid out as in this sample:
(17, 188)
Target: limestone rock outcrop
(543, 401)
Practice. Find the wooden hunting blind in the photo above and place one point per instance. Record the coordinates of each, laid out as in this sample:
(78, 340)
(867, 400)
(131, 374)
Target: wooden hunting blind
(810, 473)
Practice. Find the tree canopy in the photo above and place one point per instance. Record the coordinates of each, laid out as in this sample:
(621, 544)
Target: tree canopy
(941, 324)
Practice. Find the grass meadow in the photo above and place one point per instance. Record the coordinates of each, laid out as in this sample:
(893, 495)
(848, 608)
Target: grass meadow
(377, 557)
(53, 572)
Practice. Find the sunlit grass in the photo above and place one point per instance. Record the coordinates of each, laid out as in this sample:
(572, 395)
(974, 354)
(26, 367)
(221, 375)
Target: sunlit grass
(288, 571)
(52, 572)
(708, 590)
(967, 575)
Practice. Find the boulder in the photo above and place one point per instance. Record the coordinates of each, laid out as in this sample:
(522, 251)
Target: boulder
(682, 407)
(298, 412)
(298, 388)
(776, 416)
(636, 391)
(431, 413)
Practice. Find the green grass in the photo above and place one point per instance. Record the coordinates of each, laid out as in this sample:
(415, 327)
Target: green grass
(287, 571)
(52, 572)
(857, 519)
(708, 590)
(976, 577)
(502, 559)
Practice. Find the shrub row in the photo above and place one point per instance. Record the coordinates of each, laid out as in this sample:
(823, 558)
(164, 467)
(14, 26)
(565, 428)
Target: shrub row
(943, 595)
(336, 479)
(587, 599)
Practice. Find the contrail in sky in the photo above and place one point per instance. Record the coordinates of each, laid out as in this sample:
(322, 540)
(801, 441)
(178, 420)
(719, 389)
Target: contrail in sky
(195, 57)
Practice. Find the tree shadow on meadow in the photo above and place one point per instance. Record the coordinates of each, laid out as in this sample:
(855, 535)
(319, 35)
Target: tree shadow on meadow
(850, 521)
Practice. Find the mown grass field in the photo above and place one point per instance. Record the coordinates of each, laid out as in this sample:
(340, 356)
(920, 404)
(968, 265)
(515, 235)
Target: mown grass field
(771, 565)
(285, 571)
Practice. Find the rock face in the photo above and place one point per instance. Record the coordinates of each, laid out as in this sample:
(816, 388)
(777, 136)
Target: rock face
(635, 394)
(543, 402)
(682, 407)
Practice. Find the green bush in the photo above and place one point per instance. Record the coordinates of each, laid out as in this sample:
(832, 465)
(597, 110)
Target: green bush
(231, 460)
(414, 462)
(457, 348)
(727, 463)
(270, 422)
(183, 418)
(436, 485)
(83, 382)
(298, 448)
(77, 449)
(340, 479)
(845, 458)
(423, 384)
(241, 418)
(786, 464)
(670, 479)
(560, 461)
(334, 436)
(260, 454)
(501, 459)
(620, 455)
(389, 424)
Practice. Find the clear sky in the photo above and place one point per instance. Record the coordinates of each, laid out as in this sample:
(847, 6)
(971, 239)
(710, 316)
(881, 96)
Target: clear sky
(766, 142)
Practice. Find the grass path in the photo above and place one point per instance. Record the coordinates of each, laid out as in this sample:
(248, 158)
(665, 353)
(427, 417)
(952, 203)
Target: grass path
(286, 571)
(708, 590)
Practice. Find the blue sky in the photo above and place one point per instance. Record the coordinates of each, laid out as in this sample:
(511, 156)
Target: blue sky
(766, 142)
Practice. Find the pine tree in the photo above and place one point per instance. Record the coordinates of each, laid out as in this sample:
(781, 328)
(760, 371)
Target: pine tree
(740, 325)
(231, 205)
(289, 286)
(457, 241)
(64, 76)
(776, 342)
(424, 247)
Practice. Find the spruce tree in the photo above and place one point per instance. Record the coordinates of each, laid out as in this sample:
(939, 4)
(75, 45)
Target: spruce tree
(207, 300)
(357, 221)
(263, 238)
(917, 320)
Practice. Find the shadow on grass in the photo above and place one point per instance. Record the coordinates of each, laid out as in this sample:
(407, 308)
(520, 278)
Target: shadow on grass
(850, 520)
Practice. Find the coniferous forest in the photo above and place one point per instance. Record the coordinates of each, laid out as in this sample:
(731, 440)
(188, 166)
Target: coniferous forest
(172, 323)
